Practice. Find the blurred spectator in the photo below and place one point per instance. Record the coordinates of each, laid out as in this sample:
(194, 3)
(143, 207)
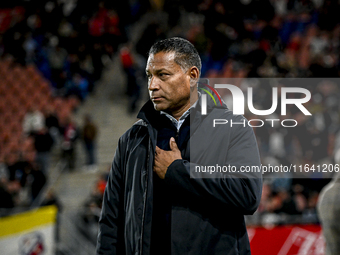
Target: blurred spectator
(287, 203)
(310, 213)
(132, 72)
(299, 198)
(6, 200)
(77, 86)
(33, 121)
(24, 177)
(57, 57)
(19, 167)
(11, 165)
(43, 143)
(52, 123)
(38, 182)
(89, 135)
(97, 22)
(328, 208)
(52, 199)
(70, 135)
(150, 35)
(97, 53)
(90, 212)
(113, 34)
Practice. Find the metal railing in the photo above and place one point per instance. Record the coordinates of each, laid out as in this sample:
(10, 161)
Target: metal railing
(74, 242)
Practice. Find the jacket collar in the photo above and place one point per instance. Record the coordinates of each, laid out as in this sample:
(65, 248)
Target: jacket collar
(149, 114)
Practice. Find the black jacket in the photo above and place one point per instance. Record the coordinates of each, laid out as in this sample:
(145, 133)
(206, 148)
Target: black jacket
(207, 215)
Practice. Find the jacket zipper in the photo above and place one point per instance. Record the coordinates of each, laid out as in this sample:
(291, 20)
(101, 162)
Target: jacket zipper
(144, 205)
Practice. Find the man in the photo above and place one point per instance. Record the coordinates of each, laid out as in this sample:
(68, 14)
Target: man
(328, 208)
(151, 204)
(89, 135)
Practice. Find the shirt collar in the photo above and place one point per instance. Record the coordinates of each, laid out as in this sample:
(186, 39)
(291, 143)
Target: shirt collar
(178, 123)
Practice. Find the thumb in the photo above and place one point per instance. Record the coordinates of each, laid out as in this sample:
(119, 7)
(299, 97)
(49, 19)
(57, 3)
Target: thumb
(173, 144)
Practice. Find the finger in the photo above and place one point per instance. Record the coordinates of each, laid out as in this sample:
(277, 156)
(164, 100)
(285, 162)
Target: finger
(158, 150)
(173, 144)
(155, 163)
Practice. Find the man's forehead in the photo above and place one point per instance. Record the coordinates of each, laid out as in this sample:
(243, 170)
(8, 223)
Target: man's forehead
(161, 59)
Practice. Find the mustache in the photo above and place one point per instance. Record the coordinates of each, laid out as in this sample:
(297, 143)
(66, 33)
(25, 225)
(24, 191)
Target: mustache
(155, 96)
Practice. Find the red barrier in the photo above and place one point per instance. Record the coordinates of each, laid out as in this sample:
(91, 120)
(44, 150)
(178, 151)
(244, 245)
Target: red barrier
(287, 240)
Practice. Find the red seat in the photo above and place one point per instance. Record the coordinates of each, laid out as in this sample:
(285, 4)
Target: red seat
(21, 87)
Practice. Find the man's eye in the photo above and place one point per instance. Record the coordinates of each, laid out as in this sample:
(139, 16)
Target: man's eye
(149, 76)
(163, 74)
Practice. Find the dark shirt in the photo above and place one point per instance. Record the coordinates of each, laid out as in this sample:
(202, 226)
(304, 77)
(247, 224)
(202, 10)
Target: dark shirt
(51, 121)
(43, 142)
(162, 195)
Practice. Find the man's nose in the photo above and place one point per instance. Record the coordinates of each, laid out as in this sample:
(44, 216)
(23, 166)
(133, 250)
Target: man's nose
(153, 84)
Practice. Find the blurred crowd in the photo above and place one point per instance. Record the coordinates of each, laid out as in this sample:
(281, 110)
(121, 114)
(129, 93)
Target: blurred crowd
(51, 56)
(70, 42)
(90, 213)
(67, 41)
(248, 40)
(25, 164)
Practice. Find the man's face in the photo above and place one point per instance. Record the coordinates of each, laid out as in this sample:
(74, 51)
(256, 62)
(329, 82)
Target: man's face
(168, 83)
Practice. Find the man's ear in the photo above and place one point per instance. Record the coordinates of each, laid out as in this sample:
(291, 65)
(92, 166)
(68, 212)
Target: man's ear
(194, 74)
